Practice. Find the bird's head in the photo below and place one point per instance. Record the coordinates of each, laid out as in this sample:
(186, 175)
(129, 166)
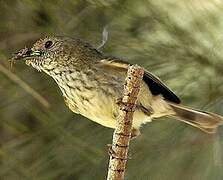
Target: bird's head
(58, 52)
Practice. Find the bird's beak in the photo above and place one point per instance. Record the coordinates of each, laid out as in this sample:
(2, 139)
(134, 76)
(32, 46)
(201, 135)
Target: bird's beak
(26, 53)
(34, 53)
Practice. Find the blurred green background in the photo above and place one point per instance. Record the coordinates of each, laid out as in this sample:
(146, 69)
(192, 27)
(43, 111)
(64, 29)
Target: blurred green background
(180, 41)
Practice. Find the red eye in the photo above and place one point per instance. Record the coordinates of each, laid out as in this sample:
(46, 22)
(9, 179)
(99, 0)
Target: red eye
(48, 44)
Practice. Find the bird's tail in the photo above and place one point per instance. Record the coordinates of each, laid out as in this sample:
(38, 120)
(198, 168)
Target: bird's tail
(205, 121)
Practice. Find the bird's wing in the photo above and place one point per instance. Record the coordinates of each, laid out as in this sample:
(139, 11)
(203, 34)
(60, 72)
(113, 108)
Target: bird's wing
(155, 85)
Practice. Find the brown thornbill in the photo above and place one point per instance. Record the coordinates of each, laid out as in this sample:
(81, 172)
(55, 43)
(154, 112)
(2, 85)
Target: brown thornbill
(91, 84)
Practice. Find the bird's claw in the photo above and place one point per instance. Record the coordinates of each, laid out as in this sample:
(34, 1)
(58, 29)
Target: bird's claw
(111, 152)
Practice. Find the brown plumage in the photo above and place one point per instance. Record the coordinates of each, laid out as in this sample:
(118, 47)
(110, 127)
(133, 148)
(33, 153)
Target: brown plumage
(91, 83)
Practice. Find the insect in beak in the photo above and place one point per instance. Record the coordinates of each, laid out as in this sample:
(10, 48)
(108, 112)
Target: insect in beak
(26, 53)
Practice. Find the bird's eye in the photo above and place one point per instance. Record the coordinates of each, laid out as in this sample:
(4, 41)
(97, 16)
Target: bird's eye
(48, 44)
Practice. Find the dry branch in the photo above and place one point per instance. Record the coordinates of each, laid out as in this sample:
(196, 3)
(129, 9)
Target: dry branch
(122, 133)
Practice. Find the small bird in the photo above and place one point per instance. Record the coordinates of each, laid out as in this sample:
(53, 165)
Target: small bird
(91, 83)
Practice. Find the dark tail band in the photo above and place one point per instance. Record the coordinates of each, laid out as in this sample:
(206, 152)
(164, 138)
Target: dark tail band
(205, 121)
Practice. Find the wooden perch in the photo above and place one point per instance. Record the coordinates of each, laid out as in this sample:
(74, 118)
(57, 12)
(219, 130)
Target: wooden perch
(122, 133)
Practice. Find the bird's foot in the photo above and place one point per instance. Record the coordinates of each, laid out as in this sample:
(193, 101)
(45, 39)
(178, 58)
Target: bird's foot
(119, 101)
(111, 152)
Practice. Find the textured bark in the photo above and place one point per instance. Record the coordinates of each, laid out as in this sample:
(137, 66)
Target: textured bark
(122, 133)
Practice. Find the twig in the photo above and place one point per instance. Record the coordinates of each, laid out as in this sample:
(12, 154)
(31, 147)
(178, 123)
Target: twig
(122, 133)
(25, 86)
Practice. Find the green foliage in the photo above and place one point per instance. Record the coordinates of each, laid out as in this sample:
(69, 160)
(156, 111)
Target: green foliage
(180, 41)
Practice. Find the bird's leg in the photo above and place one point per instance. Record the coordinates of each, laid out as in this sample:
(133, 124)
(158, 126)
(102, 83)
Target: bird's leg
(147, 110)
(136, 132)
